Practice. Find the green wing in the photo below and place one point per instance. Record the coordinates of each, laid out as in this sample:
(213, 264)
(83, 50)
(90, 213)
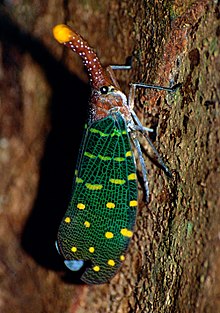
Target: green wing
(99, 222)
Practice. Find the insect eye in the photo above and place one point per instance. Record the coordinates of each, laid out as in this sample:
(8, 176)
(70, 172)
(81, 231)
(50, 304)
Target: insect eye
(104, 90)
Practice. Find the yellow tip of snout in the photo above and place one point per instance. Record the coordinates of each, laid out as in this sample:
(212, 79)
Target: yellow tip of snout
(62, 33)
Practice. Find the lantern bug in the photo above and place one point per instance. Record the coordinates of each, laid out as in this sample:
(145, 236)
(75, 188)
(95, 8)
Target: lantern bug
(98, 225)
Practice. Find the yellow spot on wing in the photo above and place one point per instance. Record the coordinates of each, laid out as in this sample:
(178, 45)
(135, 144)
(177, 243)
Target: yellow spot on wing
(127, 233)
(73, 249)
(122, 258)
(81, 206)
(91, 249)
(111, 262)
(110, 205)
(96, 131)
(117, 181)
(109, 235)
(116, 132)
(118, 159)
(62, 33)
(104, 158)
(79, 180)
(87, 224)
(128, 154)
(96, 268)
(132, 176)
(94, 187)
(133, 203)
(67, 219)
(89, 155)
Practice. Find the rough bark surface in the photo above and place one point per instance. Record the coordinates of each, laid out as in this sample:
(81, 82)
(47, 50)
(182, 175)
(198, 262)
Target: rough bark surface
(174, 259)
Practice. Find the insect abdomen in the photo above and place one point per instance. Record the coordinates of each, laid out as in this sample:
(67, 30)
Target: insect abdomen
(98, 224)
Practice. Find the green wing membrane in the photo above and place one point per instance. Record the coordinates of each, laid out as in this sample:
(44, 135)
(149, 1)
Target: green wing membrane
(99, 222)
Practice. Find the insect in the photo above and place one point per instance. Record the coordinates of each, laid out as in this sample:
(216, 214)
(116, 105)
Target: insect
(98, 225)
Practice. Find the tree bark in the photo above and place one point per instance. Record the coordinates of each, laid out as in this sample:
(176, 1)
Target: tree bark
(173, 262)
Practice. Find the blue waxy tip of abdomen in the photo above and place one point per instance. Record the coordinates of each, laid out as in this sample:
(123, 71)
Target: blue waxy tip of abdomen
(74, 265)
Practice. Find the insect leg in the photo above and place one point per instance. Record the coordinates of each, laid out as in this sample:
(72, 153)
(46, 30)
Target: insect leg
(139, 127)
(120, 67)
(147, 86)
(110, 69)
(143, 166)
(150, 86)
(126, 66)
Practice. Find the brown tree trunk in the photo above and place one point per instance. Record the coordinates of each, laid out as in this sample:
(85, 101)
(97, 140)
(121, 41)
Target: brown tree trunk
(173, 262)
